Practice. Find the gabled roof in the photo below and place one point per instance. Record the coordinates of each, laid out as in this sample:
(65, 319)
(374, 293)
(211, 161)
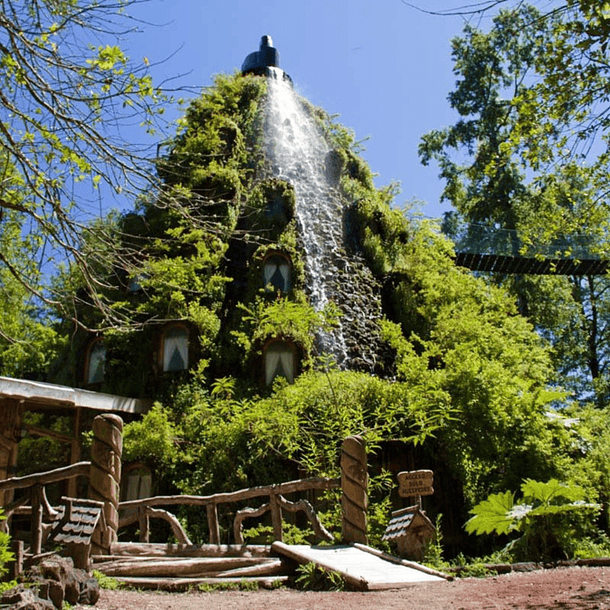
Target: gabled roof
(58, 395)
(402, 520)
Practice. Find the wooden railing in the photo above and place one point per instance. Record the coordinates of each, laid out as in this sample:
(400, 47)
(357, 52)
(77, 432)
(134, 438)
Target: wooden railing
(142, 510)
(103, 473)
(37, 497)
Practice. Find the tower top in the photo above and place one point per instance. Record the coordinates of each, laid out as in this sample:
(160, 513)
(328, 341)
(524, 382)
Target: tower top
(267, 56)
(265, 61)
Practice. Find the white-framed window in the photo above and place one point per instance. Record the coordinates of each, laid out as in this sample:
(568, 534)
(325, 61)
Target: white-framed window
(279, 359)
(96, 362)
(277, 271)
(175, 349)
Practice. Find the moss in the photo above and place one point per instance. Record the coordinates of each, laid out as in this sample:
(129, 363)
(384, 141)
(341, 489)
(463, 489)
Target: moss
(269, 209)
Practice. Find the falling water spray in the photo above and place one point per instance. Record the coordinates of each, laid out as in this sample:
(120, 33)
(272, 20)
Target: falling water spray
(297, 151)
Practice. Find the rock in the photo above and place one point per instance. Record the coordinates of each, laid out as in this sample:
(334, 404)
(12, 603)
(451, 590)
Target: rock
(24, 598)
(52, 582)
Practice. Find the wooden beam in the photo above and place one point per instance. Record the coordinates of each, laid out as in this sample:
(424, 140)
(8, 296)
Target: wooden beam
(276, 517)
(75, 451)
(131, 549)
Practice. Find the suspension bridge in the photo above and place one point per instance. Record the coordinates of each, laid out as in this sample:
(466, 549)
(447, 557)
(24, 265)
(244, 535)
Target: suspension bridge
(496, 250)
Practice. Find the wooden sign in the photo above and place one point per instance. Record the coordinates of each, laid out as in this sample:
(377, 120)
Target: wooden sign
(415, 483)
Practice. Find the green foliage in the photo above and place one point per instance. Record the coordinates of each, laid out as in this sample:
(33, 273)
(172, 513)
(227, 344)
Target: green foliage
(289, 319)
(433, 551)
(107, 582)
(66, 103)
(152, 440)
(6, 556)
(311, 577)
(523, 157)
(540, 517)
(465, 380)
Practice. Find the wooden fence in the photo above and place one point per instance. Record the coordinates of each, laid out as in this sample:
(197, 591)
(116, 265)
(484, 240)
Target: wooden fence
(142, 510)
(103, 473)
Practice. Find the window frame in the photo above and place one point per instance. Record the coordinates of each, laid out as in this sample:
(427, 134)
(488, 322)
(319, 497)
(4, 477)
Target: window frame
(287, 281)
(162, 358)
(94, 345)
(295, 359)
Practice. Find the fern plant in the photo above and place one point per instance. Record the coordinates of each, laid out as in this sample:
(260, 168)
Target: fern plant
(550, 517)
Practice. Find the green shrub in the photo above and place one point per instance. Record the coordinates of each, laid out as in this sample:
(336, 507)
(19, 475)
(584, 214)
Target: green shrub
(550, 517)
(5, 555)
(311, 577)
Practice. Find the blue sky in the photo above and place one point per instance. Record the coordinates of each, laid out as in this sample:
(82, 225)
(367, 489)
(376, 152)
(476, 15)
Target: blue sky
(384, 67)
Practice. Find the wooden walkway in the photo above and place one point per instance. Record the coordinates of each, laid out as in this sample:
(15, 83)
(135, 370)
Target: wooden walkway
(361, 566)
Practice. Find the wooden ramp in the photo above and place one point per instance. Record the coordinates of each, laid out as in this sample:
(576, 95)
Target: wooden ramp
(361, 566)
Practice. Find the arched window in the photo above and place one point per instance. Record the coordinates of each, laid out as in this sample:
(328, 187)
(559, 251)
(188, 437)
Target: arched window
(96, 362)
(279, 361)
(277, 272)
(175, 349)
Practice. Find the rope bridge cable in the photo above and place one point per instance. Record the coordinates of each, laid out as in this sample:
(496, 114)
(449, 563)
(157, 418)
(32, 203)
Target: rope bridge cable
(513, 265)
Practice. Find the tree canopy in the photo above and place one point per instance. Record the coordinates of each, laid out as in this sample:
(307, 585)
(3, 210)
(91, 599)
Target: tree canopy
(67, 91)
(463, 384)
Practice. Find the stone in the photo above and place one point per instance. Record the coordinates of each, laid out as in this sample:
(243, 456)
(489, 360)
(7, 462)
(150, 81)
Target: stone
(24, 598)
(55, 580)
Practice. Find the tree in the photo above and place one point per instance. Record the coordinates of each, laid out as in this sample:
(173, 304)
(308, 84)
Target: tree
(499, 182)
(66, 92)
(28, 342)
(560, 120)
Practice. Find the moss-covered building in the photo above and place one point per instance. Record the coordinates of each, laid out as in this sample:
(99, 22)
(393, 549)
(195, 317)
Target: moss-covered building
(275, 302)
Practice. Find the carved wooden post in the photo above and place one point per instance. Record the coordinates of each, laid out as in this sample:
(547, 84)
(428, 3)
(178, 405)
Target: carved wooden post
(105, 478)
(354, 480)
(144, 522)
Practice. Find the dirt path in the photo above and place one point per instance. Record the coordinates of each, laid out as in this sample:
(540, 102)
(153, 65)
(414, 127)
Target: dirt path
(562, 588)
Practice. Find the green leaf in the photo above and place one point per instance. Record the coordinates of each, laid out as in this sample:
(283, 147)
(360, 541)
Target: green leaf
(494, 515)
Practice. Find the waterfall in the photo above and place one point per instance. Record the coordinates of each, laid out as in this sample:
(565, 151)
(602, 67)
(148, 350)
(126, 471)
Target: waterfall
(297, 153)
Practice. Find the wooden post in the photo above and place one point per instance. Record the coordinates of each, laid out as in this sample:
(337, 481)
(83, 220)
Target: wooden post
(276, 516)
(354, 481)
(144, 523)
(105, 478)
(212, 510)
(36, 528)
(11, 419)
(75, 452)
(15, 567)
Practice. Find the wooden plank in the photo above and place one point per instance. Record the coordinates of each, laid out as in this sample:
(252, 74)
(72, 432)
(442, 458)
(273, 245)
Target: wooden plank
(360, 568)
(404, 562)
(44, 478)
(193, 567)
(139, 549)
(186, 584)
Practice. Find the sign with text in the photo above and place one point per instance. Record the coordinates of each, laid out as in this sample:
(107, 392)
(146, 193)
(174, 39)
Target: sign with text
(415, 483)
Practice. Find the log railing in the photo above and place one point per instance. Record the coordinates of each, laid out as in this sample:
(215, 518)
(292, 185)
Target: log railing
(103, 473)
(142, 510)
(40, 506)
